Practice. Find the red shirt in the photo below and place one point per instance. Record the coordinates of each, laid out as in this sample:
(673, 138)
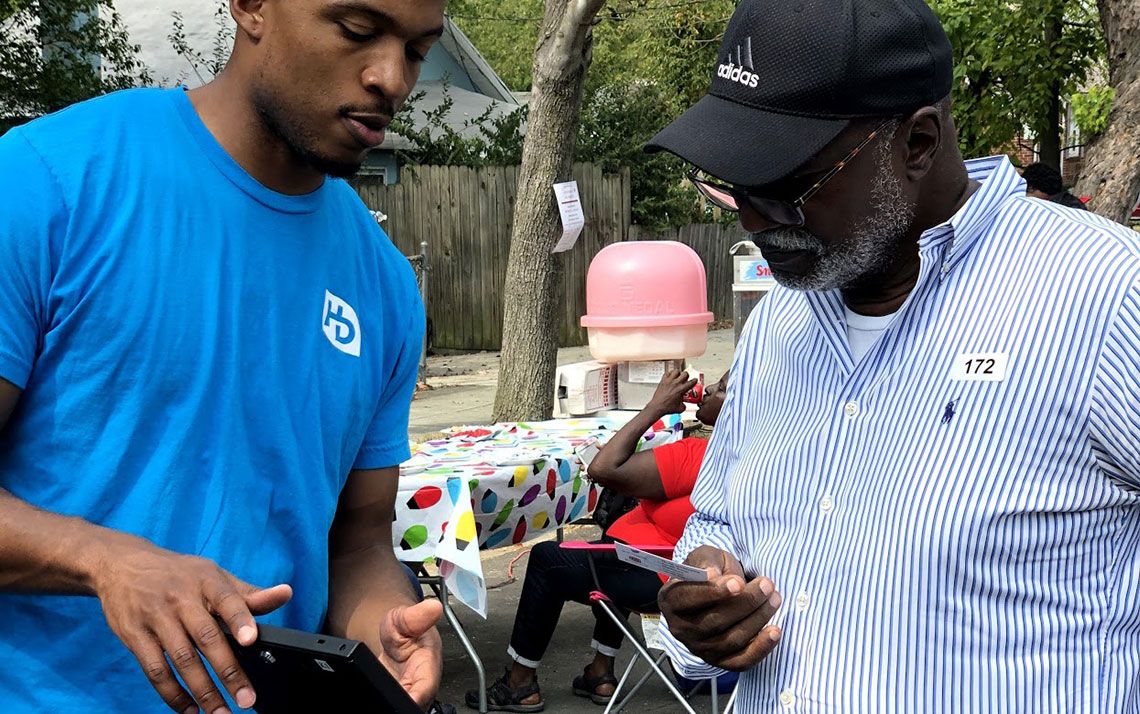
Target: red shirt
(661, 522)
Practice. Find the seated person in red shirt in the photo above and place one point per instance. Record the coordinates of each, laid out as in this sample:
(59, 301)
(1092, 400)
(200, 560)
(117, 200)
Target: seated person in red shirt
(662, 480)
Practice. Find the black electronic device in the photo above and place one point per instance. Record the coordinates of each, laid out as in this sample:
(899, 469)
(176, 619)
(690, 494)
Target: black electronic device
(294, 671)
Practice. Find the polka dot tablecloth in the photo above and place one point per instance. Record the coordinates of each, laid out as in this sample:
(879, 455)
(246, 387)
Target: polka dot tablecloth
(495, 486)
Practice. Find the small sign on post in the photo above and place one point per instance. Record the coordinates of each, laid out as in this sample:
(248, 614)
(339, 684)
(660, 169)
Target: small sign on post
(753, 273)
(573, 219)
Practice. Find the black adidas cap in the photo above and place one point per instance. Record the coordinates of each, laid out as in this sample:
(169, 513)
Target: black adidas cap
(792, 74)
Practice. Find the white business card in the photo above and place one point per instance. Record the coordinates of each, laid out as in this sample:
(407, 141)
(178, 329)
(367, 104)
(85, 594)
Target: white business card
(657, 564)
(586, 453)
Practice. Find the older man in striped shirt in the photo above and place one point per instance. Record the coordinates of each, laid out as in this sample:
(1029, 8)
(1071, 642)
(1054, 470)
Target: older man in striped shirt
(923, 494)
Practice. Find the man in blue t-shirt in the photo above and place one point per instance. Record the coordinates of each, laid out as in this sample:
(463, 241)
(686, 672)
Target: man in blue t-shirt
(207, 356)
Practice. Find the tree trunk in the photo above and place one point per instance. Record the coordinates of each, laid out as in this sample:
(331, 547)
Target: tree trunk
(1049, 126)
(533, 286)
(1049, 137)
(1111, 170)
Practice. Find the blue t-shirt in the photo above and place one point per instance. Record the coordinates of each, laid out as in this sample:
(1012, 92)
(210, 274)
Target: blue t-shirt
(203, 361)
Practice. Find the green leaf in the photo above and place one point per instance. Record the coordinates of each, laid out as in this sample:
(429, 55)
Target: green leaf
(1091, 110)
(60, 52)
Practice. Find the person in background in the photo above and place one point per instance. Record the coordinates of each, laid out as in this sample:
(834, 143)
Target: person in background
(208, 350)
(1045, 182)
(662, 480)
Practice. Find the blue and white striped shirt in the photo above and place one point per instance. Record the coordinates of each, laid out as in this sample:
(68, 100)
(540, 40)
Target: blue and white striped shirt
(944, 543)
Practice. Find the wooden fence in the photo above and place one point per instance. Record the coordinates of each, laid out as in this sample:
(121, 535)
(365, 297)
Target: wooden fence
(465, 216)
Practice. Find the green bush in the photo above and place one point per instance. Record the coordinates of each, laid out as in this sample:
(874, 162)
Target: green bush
(1091, 109)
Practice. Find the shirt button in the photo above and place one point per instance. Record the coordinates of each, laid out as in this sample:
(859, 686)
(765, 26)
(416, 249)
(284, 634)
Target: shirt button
(826, 504)
(851, 409)
(802, 601)
(786, 698)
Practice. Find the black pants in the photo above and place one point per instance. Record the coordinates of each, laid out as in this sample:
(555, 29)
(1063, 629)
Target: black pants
(555, 576)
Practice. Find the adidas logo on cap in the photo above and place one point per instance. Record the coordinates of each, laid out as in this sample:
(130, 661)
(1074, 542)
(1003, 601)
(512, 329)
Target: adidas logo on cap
(735, 73)
(740, 71)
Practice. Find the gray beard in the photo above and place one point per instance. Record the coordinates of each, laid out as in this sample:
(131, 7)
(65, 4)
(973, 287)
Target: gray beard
(874, 241)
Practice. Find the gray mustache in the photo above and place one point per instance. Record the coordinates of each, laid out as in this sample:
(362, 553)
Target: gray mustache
(788, 239)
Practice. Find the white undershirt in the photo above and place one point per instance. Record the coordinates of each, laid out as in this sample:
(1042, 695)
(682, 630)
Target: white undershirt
(863, 331)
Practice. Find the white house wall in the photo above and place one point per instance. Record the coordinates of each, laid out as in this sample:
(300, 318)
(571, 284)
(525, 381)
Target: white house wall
(149, 23)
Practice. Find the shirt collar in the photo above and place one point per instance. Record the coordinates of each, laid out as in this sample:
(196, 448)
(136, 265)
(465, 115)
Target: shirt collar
(999, 181)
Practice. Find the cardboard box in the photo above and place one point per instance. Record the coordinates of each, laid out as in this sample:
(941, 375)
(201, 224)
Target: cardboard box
(584, 388)
(637, 381)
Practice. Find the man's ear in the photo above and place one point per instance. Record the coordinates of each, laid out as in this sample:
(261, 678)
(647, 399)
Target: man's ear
(248, 16)
(922, 133)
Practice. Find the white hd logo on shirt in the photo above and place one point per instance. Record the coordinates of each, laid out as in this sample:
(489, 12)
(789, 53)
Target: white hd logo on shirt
(340, 325)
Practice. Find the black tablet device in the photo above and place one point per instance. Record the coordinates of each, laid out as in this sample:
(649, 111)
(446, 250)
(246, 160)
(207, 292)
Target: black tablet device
(294, 671)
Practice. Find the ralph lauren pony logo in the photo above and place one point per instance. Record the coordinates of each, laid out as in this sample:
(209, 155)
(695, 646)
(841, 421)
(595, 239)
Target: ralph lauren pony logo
(949, 412)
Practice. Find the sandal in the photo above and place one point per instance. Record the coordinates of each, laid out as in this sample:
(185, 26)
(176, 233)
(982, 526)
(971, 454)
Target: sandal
(585, 686)
(501, 698)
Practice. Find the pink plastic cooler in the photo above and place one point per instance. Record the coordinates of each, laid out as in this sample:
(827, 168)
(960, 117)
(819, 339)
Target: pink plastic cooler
(645, 300)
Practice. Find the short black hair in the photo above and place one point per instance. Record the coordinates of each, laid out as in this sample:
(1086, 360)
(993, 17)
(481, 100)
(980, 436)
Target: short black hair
(1043, 178)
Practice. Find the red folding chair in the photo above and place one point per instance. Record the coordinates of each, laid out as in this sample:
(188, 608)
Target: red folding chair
(600, 598)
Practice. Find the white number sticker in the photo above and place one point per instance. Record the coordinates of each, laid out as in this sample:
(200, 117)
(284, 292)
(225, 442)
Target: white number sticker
(980, 367)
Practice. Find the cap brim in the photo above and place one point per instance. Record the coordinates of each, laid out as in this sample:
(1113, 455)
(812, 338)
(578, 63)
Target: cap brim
(742, 145)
